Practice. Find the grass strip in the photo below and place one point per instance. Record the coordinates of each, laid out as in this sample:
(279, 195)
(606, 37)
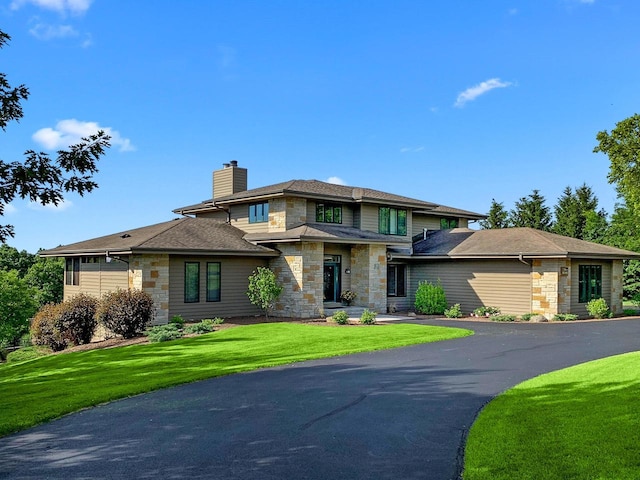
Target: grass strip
(46, 388)
(577, 423)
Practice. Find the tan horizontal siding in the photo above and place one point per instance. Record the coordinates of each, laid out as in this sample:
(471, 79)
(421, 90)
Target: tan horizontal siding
(234, 274)
(581, 308)
(99, 278)
(420, 222)
(220, 216)
(504, 284)
(369, 218)
(240, 219)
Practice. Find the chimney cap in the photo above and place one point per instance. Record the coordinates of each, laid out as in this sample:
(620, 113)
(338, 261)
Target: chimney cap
(226, 165)
(234, 163)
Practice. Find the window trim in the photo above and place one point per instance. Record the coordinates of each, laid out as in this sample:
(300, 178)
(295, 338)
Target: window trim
(214, 298)
(259, 212)
(196, 297)
(333, 207)
(72, 271)
(587, 275)
(399, 273)
(392, 221)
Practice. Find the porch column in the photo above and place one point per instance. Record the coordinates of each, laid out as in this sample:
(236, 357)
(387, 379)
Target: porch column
(150, 273)
(616, 286)
(369, 276)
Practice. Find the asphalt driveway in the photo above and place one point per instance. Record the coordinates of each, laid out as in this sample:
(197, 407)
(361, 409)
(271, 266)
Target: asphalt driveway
(396, 414)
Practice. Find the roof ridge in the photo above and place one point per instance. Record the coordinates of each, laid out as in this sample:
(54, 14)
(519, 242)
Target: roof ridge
(170, 224)
(543, 235)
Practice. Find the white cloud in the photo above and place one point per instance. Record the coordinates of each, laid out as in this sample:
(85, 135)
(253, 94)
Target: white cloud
(411, 149)
(336, 181)
(474, 92)
(63, 205)
(76, 7)
(70, 132)
(9, 209)
(47, 32)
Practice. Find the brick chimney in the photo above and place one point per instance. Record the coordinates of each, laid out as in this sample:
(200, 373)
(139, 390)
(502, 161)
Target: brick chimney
(229, 180)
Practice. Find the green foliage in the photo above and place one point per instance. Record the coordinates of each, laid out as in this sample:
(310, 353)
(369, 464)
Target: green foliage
(177, 320)
(126, 312)
(341, 317)
(622, 146)
(205, 326)
(565, 317)
(348, 296)
(38, 177)
(12, 259)
(78, 318)
(628, 312)
(503, 318)
(636, 300)
(47, 276)
(17, 306)
(572, 209)
(368, 317)
(525, 317)
(486, 311)
(27, 353)
(164, 333)
(598, 308)
(453, 312)
(430, 298)
(497, 217)
(531, 212)
(263, 289)
(46, 328)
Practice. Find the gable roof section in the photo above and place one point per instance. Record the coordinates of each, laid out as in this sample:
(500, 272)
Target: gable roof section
(180, 236)
(513, 243)
(311, 189)
(329, 233)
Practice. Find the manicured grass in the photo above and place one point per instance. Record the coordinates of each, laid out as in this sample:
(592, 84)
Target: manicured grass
(46, 388)
(578, 423)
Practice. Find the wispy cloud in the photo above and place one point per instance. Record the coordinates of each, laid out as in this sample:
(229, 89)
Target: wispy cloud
(411, 149)
(9, 209)
(336, 181)
(71, 131)
(63, 205)
(43, 31)
(76, 7)
(474, 92)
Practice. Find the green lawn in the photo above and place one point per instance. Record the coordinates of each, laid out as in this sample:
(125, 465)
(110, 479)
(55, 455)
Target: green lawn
(582, 422)
(39, 390)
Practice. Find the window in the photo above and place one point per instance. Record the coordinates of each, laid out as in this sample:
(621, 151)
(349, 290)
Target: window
(328, 213)
(72, 271)
(191, 282)
(259, 212)
(392, 221)
(396, 280)
(213, 281)
(448, 223)
(589, 282)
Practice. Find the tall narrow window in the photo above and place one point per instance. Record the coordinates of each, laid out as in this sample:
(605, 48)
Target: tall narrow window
(589, 282)
(259, 212)
(72, 271)
(328, 213)
(392, 221)
(396, 280)
(213, 281)
(191, 282)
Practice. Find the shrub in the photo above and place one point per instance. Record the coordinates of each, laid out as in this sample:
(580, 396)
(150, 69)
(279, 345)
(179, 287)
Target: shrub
(215, 321)
(263, 289)
(205, 326)
(368, 317)
(630, 312)
(525, 317)
(78, 318)
(565, 317)
(164, 333)
(486, 311)
(453, 312)
(598, 308)
(341, 317)
(27, 353)
(46, 328)
(126, 312)
(430, 298)
(503, 318)
(635, 300)
(177, 320)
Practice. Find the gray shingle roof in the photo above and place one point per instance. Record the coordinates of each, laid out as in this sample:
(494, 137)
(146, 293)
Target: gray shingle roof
(512, 242)
(183, 235)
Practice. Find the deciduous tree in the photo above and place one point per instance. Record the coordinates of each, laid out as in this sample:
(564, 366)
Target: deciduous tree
(263, 289)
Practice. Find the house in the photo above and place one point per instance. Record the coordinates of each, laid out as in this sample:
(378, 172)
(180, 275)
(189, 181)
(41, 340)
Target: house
(322, 239)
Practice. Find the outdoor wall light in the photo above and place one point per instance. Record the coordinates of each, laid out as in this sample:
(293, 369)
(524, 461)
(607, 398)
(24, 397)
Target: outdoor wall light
(347, 271)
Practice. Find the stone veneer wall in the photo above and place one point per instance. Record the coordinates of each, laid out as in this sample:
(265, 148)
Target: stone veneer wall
(286, 213)
(616, 286)
(369, 276)
(300, 271)
(150, 273)
(551, 286)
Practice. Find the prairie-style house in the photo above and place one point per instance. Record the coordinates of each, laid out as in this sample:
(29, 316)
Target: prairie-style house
(322, 239)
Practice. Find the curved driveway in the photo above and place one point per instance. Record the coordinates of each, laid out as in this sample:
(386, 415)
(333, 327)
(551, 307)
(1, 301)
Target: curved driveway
(395, 414)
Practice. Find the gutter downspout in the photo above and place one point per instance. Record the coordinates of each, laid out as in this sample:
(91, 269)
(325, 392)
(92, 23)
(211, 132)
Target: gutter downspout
(521, 259)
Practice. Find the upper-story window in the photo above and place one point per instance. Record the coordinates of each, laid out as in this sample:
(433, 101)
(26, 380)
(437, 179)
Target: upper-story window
(259, 212)
(328, 213)
(392, 221)
(448, 223)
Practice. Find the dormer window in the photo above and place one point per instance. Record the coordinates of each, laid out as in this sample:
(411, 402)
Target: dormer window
(448, 223)
(259, 212)
(328, 213)
(392, 221)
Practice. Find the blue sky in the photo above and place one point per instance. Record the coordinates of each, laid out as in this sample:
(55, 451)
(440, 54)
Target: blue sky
(454, 102)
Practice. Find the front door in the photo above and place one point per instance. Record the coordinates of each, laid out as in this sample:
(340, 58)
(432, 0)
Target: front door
(332, 278)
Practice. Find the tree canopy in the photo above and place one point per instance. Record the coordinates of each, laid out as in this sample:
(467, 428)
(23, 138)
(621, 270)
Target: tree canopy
(498, 217)
(572, 210)
(39, 177)
(531, 211)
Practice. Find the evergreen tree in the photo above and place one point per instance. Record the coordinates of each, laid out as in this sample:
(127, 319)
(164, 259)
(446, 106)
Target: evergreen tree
(571, 211)
(531, 212)
(497, 217)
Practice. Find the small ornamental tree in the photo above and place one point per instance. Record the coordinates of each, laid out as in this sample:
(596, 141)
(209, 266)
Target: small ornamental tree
(263, 289)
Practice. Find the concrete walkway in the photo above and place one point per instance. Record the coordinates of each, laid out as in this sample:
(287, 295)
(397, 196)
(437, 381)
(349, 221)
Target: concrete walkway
(395, 414)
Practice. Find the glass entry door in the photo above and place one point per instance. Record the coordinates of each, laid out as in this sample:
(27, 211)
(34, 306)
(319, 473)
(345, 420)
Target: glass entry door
(332, 278)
